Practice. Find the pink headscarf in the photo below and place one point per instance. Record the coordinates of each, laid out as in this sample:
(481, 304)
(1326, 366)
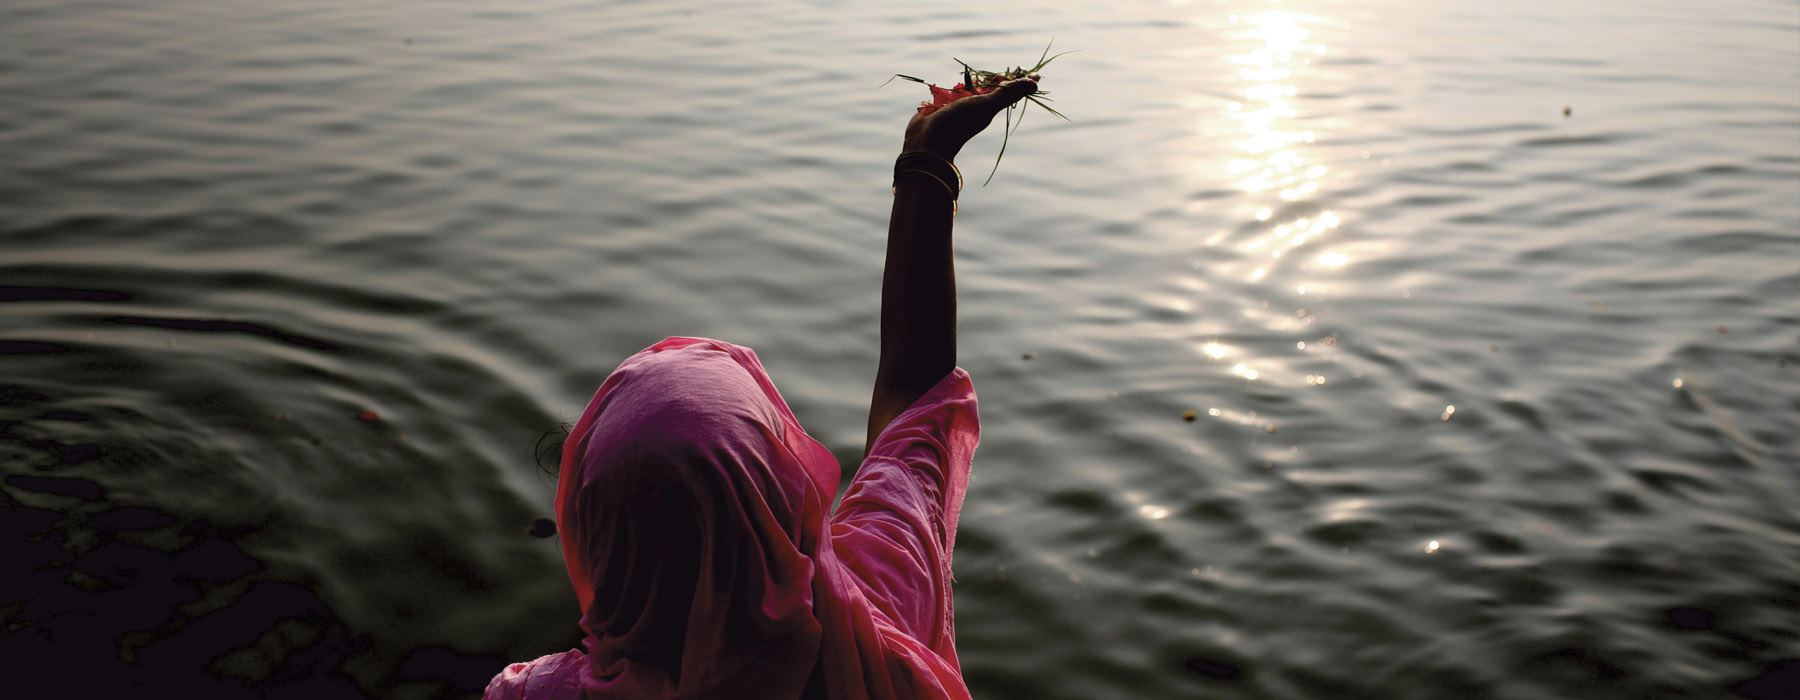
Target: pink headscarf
(694, 512)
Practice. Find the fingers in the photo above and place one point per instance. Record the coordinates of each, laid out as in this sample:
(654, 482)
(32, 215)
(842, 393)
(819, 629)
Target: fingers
(946, 130)
(986, 107)
(1011, 92)
(1023, 86)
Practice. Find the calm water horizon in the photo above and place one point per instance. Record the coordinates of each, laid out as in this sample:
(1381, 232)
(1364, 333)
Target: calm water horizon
(1330, 349)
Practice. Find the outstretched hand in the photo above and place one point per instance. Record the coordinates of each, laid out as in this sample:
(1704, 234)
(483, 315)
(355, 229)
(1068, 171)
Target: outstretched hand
(944, 131)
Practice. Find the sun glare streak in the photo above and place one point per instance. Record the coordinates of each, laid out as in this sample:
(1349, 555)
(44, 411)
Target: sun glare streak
(1272, 160)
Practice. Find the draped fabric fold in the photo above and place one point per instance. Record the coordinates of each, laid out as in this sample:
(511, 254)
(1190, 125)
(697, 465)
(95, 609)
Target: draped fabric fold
(697, 531)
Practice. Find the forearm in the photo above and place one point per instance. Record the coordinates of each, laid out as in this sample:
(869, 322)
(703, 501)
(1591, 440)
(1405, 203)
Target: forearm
(918, 284)
(918, 300)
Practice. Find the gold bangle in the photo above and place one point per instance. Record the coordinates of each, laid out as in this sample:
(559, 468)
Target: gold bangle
(931, 164)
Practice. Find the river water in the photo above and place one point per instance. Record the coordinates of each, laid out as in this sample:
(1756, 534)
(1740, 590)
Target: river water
(1487, 314)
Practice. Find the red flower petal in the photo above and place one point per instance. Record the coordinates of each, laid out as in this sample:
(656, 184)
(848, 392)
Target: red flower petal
(941, 96)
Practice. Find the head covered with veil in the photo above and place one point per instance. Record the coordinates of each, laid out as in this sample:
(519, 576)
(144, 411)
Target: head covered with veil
(694, 511)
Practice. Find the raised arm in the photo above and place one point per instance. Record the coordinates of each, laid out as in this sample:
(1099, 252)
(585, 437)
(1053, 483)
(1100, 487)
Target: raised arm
(918, 284)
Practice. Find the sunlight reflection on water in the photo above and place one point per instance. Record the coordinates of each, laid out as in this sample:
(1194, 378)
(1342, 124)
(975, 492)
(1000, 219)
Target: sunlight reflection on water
(1271, 162)
(1272, 159)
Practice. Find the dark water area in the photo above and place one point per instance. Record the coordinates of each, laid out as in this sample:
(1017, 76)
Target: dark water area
(1487, 317)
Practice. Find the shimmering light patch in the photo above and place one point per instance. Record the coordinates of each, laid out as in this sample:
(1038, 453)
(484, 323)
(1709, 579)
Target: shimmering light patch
(1431, 547)
(1273, 160)
(1247, 419)
(1266, 104)
(1270, 160)
(1678, 382)
(1153, 512)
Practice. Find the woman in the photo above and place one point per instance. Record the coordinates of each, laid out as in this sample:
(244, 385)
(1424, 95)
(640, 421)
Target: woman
(696, 513)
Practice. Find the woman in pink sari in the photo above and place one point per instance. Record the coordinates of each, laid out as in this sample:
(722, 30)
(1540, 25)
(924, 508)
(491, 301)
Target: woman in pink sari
(696, 514)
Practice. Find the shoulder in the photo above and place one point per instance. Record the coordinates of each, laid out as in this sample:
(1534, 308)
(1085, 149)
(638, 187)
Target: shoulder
(552, 677)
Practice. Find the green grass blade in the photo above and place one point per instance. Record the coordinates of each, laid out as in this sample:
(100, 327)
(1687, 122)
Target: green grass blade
(1006, 136)
(902, 77)
(1045, 62)
(1047, 108)
(1046, 58)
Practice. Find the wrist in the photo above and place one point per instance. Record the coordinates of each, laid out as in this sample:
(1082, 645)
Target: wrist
(949, 155)
(928, 166)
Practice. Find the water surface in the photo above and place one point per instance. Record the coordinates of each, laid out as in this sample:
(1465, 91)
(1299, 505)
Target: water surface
(1488, 315)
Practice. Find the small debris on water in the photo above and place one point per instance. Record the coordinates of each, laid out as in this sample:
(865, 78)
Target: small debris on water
(1028, 356)
(317, 440)
(1568, 111)
(1190, 415)
(543, 527)
(1449, 411)
(1721, 329)
(368, 416)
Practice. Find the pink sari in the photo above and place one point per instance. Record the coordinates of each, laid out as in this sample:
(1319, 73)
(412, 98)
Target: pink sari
(698, 533)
